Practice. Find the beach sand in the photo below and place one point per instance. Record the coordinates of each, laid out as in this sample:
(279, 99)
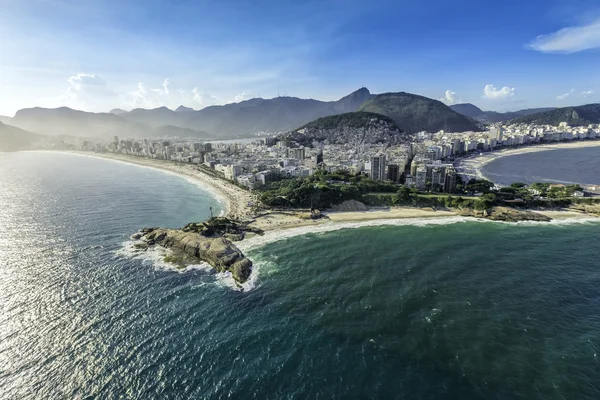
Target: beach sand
(564, 214)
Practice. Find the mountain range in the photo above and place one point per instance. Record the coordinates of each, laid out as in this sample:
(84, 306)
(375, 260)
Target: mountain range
(410, 113)
(250, 117)
(574, 116)
(490, 117)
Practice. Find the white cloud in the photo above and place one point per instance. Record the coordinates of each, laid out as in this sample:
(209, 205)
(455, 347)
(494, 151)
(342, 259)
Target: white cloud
(587, 93)
(204, 99)
(565, 95)
(450, 97)
(491, 93)
(569, 40)
(147, 97)
(88, 92)
(81, 81)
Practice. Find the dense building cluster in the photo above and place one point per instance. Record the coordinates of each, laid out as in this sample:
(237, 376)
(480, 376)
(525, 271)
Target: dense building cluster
(425, 163)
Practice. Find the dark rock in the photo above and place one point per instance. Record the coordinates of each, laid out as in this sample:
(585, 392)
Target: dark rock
(218, 251)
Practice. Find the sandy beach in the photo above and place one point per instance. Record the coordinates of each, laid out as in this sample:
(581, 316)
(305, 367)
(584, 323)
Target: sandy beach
(284, 220)
(471, 167)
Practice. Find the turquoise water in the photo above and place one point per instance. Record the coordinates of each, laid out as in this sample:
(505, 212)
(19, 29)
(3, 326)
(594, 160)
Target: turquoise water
(580, 165)
(428, 310)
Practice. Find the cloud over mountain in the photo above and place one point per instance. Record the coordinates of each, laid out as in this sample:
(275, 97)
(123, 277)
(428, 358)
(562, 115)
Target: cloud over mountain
(450, 98)
(491, 93)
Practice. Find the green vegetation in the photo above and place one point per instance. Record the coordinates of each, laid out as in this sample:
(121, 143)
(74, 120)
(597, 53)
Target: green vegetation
(323, 190)
(219, 226)
(413, 113)
(574, 116)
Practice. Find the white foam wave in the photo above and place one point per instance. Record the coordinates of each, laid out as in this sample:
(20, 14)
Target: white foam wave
(274, 236)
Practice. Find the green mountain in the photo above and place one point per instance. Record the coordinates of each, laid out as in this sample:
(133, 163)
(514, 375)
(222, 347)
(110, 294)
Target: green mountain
(350, 128)
(488, 117)
(413, 113)
(468, 109)
(574, 116)
(14, 139)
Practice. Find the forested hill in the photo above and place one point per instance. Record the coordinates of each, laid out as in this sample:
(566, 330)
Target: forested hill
(413, 113)
(574, 116)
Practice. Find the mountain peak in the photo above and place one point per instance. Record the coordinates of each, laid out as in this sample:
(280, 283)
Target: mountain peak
(183, 108)
(353, 101)
(117, 111)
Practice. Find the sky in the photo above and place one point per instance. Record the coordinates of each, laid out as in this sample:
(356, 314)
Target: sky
(95, 55)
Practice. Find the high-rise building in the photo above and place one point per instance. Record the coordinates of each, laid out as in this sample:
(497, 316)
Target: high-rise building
(450, 181)
(378, 163)
(420, 179)
(436, 176)
(393, 172)
(413, 167)
(496, 133)
(298, 154)
(116, 140)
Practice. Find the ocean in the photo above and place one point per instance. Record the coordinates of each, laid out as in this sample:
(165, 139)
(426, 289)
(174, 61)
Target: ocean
(578, 165)
(420, 309)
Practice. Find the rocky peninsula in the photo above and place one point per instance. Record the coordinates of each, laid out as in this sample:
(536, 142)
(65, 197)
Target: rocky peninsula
(207, 241)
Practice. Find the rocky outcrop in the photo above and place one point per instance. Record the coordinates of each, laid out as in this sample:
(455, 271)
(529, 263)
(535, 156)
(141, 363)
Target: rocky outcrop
(218, 251)
(507, 214)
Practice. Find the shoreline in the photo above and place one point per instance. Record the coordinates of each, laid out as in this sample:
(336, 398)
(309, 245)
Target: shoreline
(236, 201)
(472, 167)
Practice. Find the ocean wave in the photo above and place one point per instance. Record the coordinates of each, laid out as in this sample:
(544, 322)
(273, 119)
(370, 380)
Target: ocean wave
(278, 235)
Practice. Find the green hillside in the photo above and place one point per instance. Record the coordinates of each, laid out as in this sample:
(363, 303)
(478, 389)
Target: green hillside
(413, 113)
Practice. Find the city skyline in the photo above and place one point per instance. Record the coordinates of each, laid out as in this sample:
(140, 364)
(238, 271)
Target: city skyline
(103, 55)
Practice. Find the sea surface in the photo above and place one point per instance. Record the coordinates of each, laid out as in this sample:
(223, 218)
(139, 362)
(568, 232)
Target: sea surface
(580, 165)
(423, 309)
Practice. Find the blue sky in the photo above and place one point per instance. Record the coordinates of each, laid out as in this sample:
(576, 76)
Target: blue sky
(97, 55)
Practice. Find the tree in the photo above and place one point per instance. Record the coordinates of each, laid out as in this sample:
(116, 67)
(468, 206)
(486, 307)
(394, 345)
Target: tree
(404, 193)
(486, 201)
(517, 185)
(479, 185)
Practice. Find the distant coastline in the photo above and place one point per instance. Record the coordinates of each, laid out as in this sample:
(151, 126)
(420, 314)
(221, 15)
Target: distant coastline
(472, 167)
